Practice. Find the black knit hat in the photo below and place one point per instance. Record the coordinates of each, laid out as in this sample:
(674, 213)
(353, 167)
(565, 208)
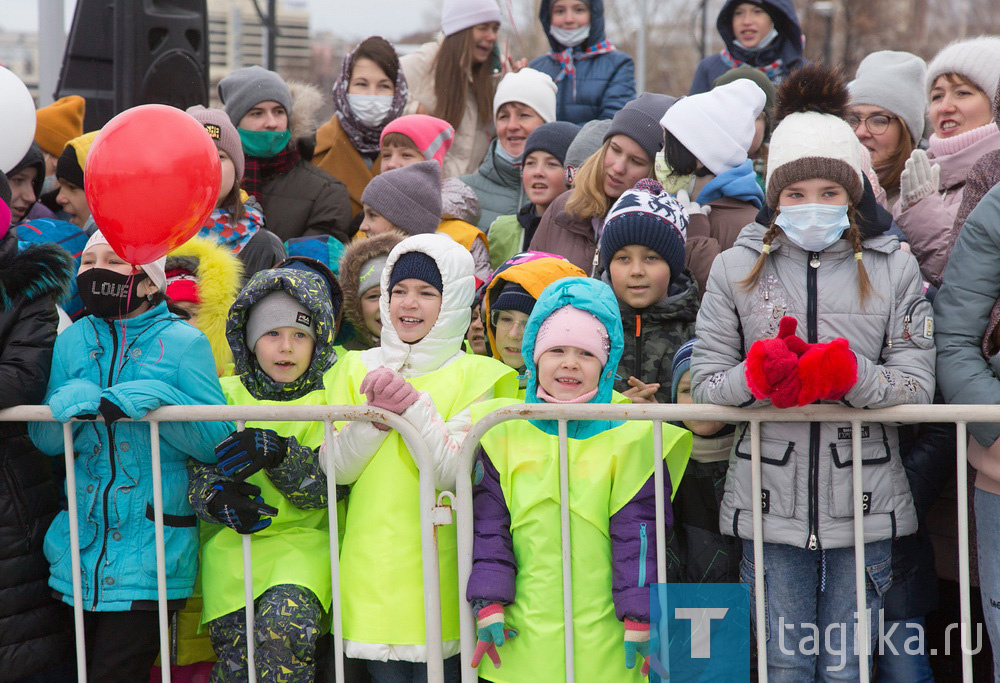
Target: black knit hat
(514, 297)
(68, 166)
(649, 216)
(5, 193)
(554, 138)
(417, 265)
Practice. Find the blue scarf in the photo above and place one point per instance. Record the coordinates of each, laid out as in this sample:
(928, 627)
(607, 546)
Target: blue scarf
(737, 183)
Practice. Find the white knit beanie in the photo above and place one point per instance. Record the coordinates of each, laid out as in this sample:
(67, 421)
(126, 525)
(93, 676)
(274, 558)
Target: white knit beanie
(812, 145)
(531, 87)
(894, 81)
(977, 60)
(458, 15)
(717, 126)
(155, 271)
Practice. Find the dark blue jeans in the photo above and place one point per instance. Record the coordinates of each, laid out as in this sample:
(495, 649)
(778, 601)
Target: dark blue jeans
(811, 608)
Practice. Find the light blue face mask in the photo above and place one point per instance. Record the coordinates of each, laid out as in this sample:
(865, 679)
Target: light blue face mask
(814, 227)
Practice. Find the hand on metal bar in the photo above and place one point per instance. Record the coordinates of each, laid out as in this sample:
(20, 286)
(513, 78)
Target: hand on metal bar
(239, 506)
(491, 634)
(244, 453)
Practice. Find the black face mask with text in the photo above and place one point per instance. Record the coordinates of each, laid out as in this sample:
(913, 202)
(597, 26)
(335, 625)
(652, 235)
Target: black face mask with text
(109, 294)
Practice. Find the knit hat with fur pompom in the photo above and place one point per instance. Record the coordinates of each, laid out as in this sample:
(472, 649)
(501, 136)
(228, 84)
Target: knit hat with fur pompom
(812, 140)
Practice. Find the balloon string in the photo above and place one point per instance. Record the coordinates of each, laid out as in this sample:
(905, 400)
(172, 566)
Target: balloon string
(513, 24)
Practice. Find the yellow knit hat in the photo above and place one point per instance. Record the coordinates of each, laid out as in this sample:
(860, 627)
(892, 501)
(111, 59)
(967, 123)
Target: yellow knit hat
(59, 123)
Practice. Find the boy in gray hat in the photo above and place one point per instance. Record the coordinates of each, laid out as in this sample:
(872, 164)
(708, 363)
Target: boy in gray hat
(277, 125)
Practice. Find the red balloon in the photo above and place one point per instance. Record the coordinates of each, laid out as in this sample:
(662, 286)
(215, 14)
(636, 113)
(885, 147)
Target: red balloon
(152, 179)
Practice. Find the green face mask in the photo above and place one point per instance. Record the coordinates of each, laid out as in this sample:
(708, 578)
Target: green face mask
(263, 144)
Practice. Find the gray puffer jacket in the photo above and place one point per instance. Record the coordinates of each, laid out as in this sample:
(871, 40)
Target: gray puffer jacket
(806, 467)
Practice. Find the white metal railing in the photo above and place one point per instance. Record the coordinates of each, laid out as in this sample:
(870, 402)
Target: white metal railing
(959, 414)
(261, 413)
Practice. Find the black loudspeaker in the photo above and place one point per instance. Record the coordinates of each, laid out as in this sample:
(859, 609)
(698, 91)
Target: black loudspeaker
(122, 53)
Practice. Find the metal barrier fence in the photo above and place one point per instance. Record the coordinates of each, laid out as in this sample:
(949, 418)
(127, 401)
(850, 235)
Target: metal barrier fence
(432, 515)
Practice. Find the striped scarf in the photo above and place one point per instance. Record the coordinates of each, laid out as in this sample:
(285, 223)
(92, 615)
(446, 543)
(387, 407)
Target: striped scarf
(775, 71)
(566, 57)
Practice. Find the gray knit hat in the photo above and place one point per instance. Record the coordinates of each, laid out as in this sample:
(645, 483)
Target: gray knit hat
(371, 273)
(278, 309)
(408, 197)
(977, 60)
(640, 121)
(587, 141)
(244, 89)
(223, 134)
(894, 81)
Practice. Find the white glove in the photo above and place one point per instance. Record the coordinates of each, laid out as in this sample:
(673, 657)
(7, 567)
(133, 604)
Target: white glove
(684, 199)
(919, 178)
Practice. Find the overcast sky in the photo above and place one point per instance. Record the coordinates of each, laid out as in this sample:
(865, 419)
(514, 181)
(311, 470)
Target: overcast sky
(349, 18)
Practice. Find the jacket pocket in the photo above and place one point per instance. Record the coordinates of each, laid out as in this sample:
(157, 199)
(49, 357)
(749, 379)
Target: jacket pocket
(878, 488)
(778, 464)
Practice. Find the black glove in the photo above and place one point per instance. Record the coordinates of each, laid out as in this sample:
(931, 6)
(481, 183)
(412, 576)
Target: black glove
(250, 451)
(239, 506)
(110, 411)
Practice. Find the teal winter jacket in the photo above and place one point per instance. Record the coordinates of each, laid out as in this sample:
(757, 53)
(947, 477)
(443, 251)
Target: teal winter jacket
(154, 359)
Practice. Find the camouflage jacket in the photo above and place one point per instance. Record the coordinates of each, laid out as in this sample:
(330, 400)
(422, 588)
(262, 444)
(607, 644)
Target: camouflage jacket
(653, 335)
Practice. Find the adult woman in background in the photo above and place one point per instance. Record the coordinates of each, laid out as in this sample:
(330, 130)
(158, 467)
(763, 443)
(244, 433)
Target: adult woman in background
(454, 79)
(369, 93)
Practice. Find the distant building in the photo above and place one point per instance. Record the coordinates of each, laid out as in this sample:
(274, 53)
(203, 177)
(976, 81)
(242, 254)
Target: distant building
(19, 53)
(236, 38)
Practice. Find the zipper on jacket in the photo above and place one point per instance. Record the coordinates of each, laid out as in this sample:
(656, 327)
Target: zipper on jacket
(812, 324)
(637, 368)
(21, 506)
(111, 479)
(643, 549)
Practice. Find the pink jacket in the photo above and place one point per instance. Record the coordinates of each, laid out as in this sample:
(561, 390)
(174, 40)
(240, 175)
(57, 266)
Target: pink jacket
(928, 224)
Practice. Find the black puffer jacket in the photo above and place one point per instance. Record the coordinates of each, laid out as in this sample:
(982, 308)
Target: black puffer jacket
(35, 629)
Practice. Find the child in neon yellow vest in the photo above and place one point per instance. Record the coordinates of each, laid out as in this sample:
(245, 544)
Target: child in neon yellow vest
(281, 331)
(573, 342)
(420, 372)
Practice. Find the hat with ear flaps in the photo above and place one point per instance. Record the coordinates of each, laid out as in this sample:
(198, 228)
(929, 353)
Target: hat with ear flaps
(812, 139)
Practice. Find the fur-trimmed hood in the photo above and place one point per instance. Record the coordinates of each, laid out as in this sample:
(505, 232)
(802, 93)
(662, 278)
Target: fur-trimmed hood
(219, 275)
(357, 254)
(36, 271)
(303, 121)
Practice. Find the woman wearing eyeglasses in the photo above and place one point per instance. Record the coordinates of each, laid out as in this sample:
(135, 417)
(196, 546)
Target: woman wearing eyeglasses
(888, 108)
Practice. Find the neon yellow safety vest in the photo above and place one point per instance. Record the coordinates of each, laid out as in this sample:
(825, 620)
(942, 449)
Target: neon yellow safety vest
(605, 472)
(381, 573)
(294, 549)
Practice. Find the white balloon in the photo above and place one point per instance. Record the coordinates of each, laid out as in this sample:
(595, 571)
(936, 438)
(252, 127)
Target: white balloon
(17, 119)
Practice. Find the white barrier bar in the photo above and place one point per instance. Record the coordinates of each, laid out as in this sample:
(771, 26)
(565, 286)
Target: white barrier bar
(249, 603)
(963, 549)
(862, 628)
(758, 550)
(659, 490)
(567, 552)
(265, 413)
(959, 414)
(74, 550)
(336, 627)
(161, 553)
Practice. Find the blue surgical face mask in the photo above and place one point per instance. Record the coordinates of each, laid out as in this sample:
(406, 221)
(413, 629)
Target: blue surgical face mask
(814, 227)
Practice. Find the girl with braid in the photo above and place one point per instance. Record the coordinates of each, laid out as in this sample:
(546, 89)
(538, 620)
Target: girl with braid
(866, 341)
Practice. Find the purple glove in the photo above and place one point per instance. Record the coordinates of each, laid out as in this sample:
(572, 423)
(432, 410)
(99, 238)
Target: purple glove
(386, 389)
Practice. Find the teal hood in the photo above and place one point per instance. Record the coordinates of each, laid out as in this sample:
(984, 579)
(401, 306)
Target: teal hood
(594, 297)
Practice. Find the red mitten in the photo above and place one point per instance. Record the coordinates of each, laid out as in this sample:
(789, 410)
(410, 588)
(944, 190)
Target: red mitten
(786, 331)
(827, 372)
(772, 368)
